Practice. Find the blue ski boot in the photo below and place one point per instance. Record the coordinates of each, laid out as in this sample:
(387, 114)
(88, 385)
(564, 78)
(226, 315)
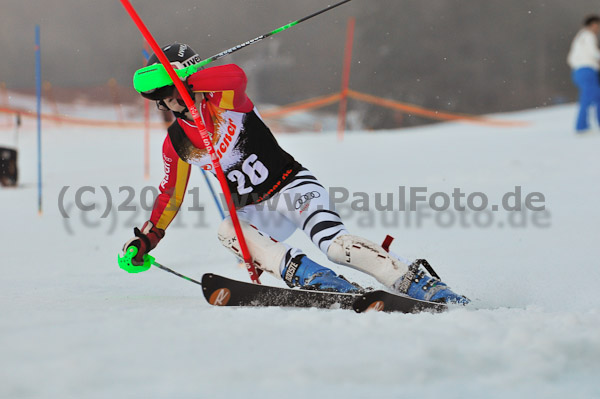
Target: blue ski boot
(417, 285)
(304, 273)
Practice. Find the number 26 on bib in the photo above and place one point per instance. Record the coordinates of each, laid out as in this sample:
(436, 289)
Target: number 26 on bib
(254, 173)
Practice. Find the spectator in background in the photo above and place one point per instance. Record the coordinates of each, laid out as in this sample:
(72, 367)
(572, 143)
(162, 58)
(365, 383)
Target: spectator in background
(584, 60)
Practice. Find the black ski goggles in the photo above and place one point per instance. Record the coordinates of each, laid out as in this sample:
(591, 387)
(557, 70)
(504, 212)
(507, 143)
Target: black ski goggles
(159, 94)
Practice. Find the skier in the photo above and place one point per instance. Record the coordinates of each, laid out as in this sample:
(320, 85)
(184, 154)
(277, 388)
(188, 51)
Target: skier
(584, 60)
(257, 170)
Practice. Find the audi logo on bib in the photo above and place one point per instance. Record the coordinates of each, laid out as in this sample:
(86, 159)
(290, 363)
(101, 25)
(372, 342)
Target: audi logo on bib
(305, 199)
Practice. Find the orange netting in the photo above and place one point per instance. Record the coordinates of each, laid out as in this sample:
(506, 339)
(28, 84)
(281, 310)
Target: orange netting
(279, 112)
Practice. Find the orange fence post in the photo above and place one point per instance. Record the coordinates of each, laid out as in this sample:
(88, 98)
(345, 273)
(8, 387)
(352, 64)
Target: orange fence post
(114, 92)
(346, 78)
(146, 126)
(146, 139)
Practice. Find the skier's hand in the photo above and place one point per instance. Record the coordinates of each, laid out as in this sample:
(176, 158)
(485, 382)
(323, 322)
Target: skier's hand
(144, 240)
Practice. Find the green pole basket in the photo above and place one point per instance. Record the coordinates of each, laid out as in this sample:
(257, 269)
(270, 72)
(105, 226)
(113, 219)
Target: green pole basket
(125, 261)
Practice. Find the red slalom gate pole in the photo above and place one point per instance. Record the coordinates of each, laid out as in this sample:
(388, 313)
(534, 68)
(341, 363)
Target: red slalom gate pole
(203, 133)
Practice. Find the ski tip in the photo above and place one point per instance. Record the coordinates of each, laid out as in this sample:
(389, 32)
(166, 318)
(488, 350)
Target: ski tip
(216, 296)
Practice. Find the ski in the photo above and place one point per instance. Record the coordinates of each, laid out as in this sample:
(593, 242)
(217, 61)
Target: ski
(384, 301)
(222, 291)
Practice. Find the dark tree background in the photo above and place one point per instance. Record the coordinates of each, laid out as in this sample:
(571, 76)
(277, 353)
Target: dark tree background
(455, 55)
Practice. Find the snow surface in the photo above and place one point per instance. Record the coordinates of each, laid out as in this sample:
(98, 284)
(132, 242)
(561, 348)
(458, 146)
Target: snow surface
(74, 325)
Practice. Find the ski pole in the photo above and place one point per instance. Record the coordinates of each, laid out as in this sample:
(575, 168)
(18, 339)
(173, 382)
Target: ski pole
(266, 35)
(206, 140)
(155, 263)
(125, 263)
(214, 195)
(193, 68)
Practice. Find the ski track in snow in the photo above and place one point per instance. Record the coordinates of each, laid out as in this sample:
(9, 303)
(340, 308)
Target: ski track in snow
(74, 325)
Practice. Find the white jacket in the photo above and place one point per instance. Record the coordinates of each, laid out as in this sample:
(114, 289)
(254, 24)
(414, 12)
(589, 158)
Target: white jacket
(584, 51)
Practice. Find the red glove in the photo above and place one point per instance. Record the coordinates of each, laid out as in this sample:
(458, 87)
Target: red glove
(145, 241)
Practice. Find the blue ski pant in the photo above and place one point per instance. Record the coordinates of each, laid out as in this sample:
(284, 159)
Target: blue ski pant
(587, 81)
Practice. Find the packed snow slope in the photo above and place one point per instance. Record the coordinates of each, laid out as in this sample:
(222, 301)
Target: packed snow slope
(74, 325)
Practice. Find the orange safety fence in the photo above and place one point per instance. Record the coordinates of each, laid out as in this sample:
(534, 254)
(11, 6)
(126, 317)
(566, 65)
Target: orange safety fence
(80, 121)
(323, 101)
(316, 102)
(433, 114)
(313, 103)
